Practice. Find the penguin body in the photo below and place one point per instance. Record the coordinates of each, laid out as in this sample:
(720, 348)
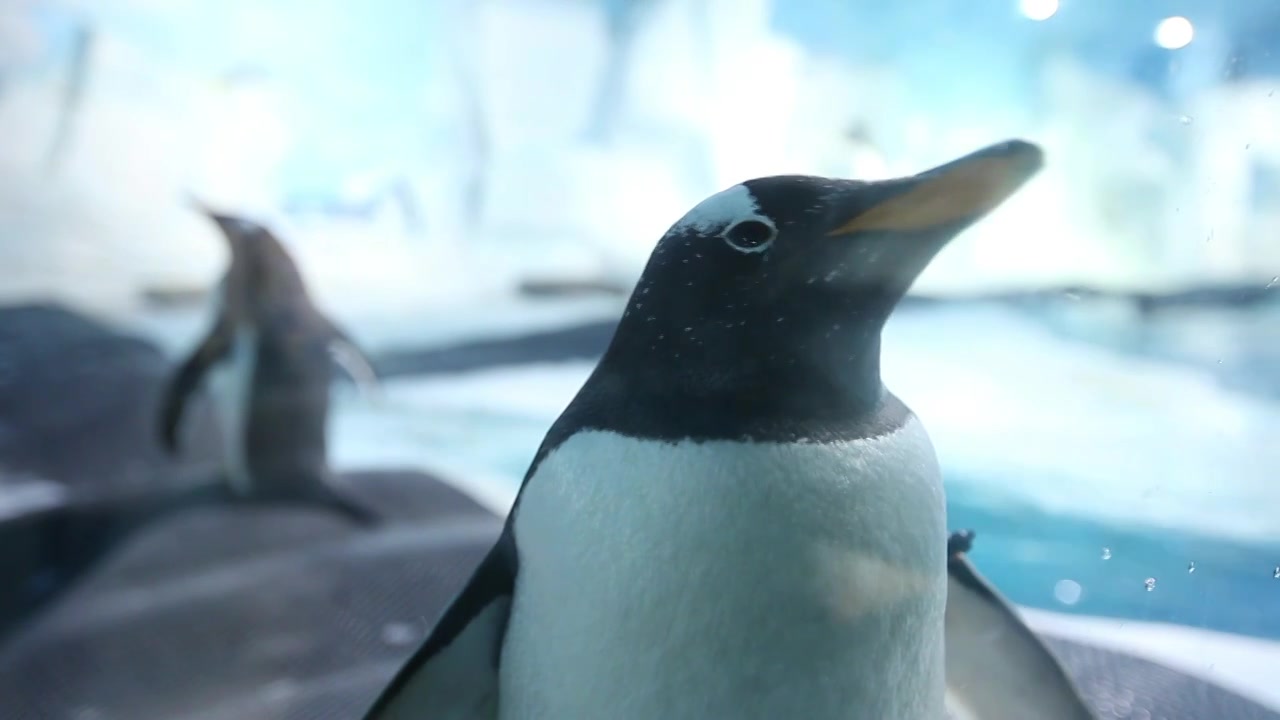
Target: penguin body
(269, 364)
(747, 542)
(733, 517)
(231, 389)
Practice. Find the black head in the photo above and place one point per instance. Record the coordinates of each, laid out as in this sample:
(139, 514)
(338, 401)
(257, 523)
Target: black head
(239, 232)
(781, 285)
(261, 271)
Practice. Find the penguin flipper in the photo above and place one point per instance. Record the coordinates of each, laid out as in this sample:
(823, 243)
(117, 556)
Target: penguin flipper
(353, 361)
(996, 666)
(184, 381)
(454, 675)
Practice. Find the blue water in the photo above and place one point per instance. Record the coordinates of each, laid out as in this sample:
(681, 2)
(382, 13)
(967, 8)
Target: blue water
(1026, 552)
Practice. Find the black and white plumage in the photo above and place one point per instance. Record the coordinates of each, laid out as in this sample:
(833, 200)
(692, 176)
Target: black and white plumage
(269, 359)
(733, 517)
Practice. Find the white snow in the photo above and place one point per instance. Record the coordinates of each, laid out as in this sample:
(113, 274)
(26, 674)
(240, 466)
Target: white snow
(1073, 429)
(485, 424)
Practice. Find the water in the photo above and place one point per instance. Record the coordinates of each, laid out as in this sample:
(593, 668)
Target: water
(1026, 552)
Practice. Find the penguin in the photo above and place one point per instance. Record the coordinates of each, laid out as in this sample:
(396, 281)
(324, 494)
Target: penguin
(269, 356)
(733, 518)
(996, 666)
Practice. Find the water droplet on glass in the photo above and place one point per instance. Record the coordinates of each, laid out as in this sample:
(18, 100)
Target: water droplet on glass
(1191, 566)
(688, 329)
(1185, 119)
(1276, 573)
(398, 633)
(1106, 553)
(1067, 592)
(1248, 145)
(1150, 584)
(1273, 282)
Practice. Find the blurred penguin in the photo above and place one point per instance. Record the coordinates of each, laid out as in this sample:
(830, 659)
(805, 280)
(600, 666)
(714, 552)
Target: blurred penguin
(270, 356)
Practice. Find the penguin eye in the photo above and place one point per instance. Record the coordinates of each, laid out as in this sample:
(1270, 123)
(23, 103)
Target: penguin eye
(749, 236)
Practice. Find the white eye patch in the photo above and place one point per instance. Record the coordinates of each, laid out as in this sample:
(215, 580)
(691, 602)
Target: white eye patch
(734, 216)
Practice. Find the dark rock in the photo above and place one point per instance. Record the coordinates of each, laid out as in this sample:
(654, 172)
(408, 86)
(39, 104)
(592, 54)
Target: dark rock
(77, 404)
(226, 612)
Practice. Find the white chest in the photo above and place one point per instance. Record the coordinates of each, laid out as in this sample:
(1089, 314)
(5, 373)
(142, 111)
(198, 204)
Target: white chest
(729, 580)
(231, 383)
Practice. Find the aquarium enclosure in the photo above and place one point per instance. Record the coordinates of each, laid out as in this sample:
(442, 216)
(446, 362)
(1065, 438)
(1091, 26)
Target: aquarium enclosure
(424, 220)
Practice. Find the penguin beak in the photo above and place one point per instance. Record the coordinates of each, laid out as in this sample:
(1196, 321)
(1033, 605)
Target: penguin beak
(892, 229)
(943, 201)
(232, 227)
(194, 202)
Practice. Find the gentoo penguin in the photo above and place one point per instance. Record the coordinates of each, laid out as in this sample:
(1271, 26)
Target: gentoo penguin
(996, 666)
(733, 518)
(270, 355)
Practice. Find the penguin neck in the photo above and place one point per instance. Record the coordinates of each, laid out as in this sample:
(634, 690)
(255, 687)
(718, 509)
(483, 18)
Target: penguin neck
(730, 379)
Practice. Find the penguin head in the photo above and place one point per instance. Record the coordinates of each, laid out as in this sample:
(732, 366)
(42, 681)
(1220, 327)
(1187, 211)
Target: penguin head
(787, 264)
(794, 276)
(239, 232)
(260, 268)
